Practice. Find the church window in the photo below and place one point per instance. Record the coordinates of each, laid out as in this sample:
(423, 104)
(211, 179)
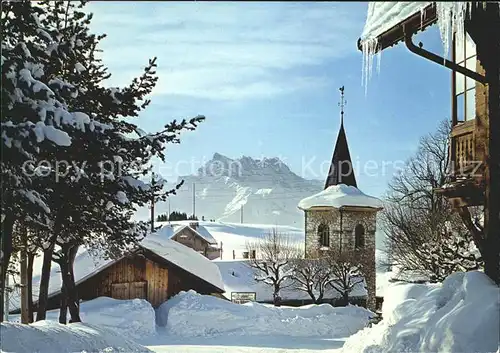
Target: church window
(324, 235)
(359, 236)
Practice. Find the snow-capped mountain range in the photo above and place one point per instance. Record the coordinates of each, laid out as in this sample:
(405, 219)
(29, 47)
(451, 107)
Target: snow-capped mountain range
(263, 191)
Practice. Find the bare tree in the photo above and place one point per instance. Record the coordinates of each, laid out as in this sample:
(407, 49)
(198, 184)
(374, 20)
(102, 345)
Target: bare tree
(346, 271)
(275, 255)
(424, 233)
(312, 276)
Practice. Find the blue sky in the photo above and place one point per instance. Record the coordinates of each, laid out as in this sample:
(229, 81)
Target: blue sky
(266, 76)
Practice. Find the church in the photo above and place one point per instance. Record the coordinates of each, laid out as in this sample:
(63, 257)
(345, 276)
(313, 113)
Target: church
(342, 217)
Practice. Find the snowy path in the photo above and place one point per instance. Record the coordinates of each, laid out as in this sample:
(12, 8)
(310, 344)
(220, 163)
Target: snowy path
(225, 349)
(247, 345)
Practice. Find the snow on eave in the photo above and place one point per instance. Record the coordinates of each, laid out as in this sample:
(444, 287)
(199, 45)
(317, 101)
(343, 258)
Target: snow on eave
(178, 227)
(386, 18)
(208, 238)
(383, 17)
(341, 197)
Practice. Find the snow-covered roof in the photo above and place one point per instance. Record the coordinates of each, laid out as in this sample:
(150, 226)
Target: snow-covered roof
(175, 228)
(205, 234)
(384, 15)
(184, 257)
(238, 276)
(337, 196)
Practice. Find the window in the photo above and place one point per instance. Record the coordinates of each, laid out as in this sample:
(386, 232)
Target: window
(245, 254)
(464, 91)
(359, 236)
(324, 235)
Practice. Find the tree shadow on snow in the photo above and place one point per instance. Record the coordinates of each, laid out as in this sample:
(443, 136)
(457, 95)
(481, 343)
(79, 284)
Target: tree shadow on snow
(284, 342)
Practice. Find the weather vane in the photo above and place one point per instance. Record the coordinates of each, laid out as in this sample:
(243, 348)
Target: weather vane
(342, 104)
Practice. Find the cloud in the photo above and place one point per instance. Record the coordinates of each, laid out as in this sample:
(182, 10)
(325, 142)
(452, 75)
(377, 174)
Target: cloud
(226, 50)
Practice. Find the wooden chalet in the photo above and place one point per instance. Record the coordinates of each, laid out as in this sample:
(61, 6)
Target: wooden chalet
(197, 238)
(155, 271)
(474, 177)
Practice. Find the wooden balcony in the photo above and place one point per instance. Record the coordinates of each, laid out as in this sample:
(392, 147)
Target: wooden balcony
(463, 161)
(466, 182)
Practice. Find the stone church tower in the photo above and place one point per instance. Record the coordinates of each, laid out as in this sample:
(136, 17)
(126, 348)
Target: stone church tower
(341, 217)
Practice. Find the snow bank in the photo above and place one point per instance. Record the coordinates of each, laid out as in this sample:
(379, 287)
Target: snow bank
(459, 315)
(189, 314)
(132, 318)
(338, 196)
(239, 276)
(399, 292)
(49, 337)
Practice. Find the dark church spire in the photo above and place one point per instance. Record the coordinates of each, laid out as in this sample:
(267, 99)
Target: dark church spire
(341, 169)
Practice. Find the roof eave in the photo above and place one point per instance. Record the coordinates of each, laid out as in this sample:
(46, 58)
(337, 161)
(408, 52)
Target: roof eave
(413, 24)
(346, 207)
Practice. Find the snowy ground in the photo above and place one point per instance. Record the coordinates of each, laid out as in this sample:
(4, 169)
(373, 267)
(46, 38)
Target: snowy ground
(190, 322)
(132, 318)
(49, 337)
(459, 315)
(252, 345)
(236, 236)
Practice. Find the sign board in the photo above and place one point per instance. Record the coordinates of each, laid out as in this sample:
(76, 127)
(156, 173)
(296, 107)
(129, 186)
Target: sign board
(243, 297)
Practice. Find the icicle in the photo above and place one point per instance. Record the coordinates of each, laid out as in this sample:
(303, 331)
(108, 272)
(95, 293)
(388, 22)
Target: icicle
(379, 61)
(451, 18)
(369, 48)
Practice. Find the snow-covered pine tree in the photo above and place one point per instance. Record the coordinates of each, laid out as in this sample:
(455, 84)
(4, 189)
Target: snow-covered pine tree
(34, 118)
(99, 189)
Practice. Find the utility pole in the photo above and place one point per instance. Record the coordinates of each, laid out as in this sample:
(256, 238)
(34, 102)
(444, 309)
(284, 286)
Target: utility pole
(241, 214)
(194, 200)
(169, 210)
(152, 203)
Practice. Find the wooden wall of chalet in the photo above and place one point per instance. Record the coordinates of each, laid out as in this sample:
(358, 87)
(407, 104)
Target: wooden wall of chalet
(129, 278)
